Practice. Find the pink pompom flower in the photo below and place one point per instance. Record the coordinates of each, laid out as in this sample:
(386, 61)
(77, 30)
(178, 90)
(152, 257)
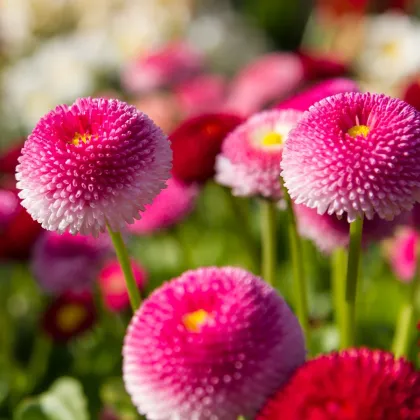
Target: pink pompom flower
(211, 344)
(303, 100)
(170, 206)
(96, 162)
(356, 384)
(251, 154)
(173, 63)
(355, 153)
(402, 253)
(265, 80)
(68, 262)
(113, 287)
(329, 232)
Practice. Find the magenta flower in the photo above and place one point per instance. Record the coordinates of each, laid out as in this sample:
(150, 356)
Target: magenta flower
(402, 254)
(303, 100)
(68, 262)
(113, 287)
(356, 384)
(355, 153)
(204, 93)
(172, 204)
(94, 163)
(250, 159)
(213, 343)
(264, 80)
(173, 63)
(329, 232)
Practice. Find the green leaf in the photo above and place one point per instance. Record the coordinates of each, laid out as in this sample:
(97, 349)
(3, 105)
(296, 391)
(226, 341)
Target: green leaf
(63, 401)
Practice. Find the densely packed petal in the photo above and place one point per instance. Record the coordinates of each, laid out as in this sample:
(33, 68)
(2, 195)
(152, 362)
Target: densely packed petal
(211, 344)
(355, 153)
(96, 162)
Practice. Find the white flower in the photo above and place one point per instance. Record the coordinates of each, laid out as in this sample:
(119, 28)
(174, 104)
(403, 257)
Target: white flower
(391, 48)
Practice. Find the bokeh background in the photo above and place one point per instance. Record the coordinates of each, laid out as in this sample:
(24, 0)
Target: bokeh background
(54, 51)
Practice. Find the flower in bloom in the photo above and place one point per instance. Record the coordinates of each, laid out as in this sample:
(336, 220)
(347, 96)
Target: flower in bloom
(402, 253)
(96, 162)
(69, 316)
(356, 384)
(303, 100)
(18, 231)
(204, 93)
(329, 232)
(390, 48)
(250, 159)
(212, 344)
(197, 141)
(355, 153)
(68, 262)
(281, 73)
(173, 63)
(171, 205)
(113, 287)
(319, 66)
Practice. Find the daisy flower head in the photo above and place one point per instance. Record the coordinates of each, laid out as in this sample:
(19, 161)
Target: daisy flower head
(249, 162)
(113, 287)
(212, 344)
(69, 316)
(197, 141)
(171, 205)
(355, 153)
(390, 48)
(68, 262)
(96, 162)
(356, 384)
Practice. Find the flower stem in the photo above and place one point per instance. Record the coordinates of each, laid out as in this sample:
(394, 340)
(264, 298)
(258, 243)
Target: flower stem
(348, 309)
(124, 260)
(268, 240)
(300, 286)
(338, 271)
(405, 323)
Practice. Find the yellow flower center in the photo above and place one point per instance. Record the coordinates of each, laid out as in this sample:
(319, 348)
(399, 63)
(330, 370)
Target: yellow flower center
(70, 316)
(195, 320)
(272, 139)
(390, 49)
(359, 130)
(84, 138)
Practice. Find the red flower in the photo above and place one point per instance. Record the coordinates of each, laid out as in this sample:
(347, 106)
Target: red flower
(321, 66)
(18, 234)
(358, 384)
(69, 316)
(412, 94)
(196, 142)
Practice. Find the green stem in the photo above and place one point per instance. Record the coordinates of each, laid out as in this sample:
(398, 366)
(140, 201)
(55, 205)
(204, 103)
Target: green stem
(124, 260)
(405, 323)
(268, 240)
(300, 286)
(348, 309)
(338, 271)
(240, 211)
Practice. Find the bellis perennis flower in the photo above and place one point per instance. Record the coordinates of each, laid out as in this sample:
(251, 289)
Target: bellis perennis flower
(355, 153)
(211, 344)
(96, 162)
(358, 384)
(250, 159)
